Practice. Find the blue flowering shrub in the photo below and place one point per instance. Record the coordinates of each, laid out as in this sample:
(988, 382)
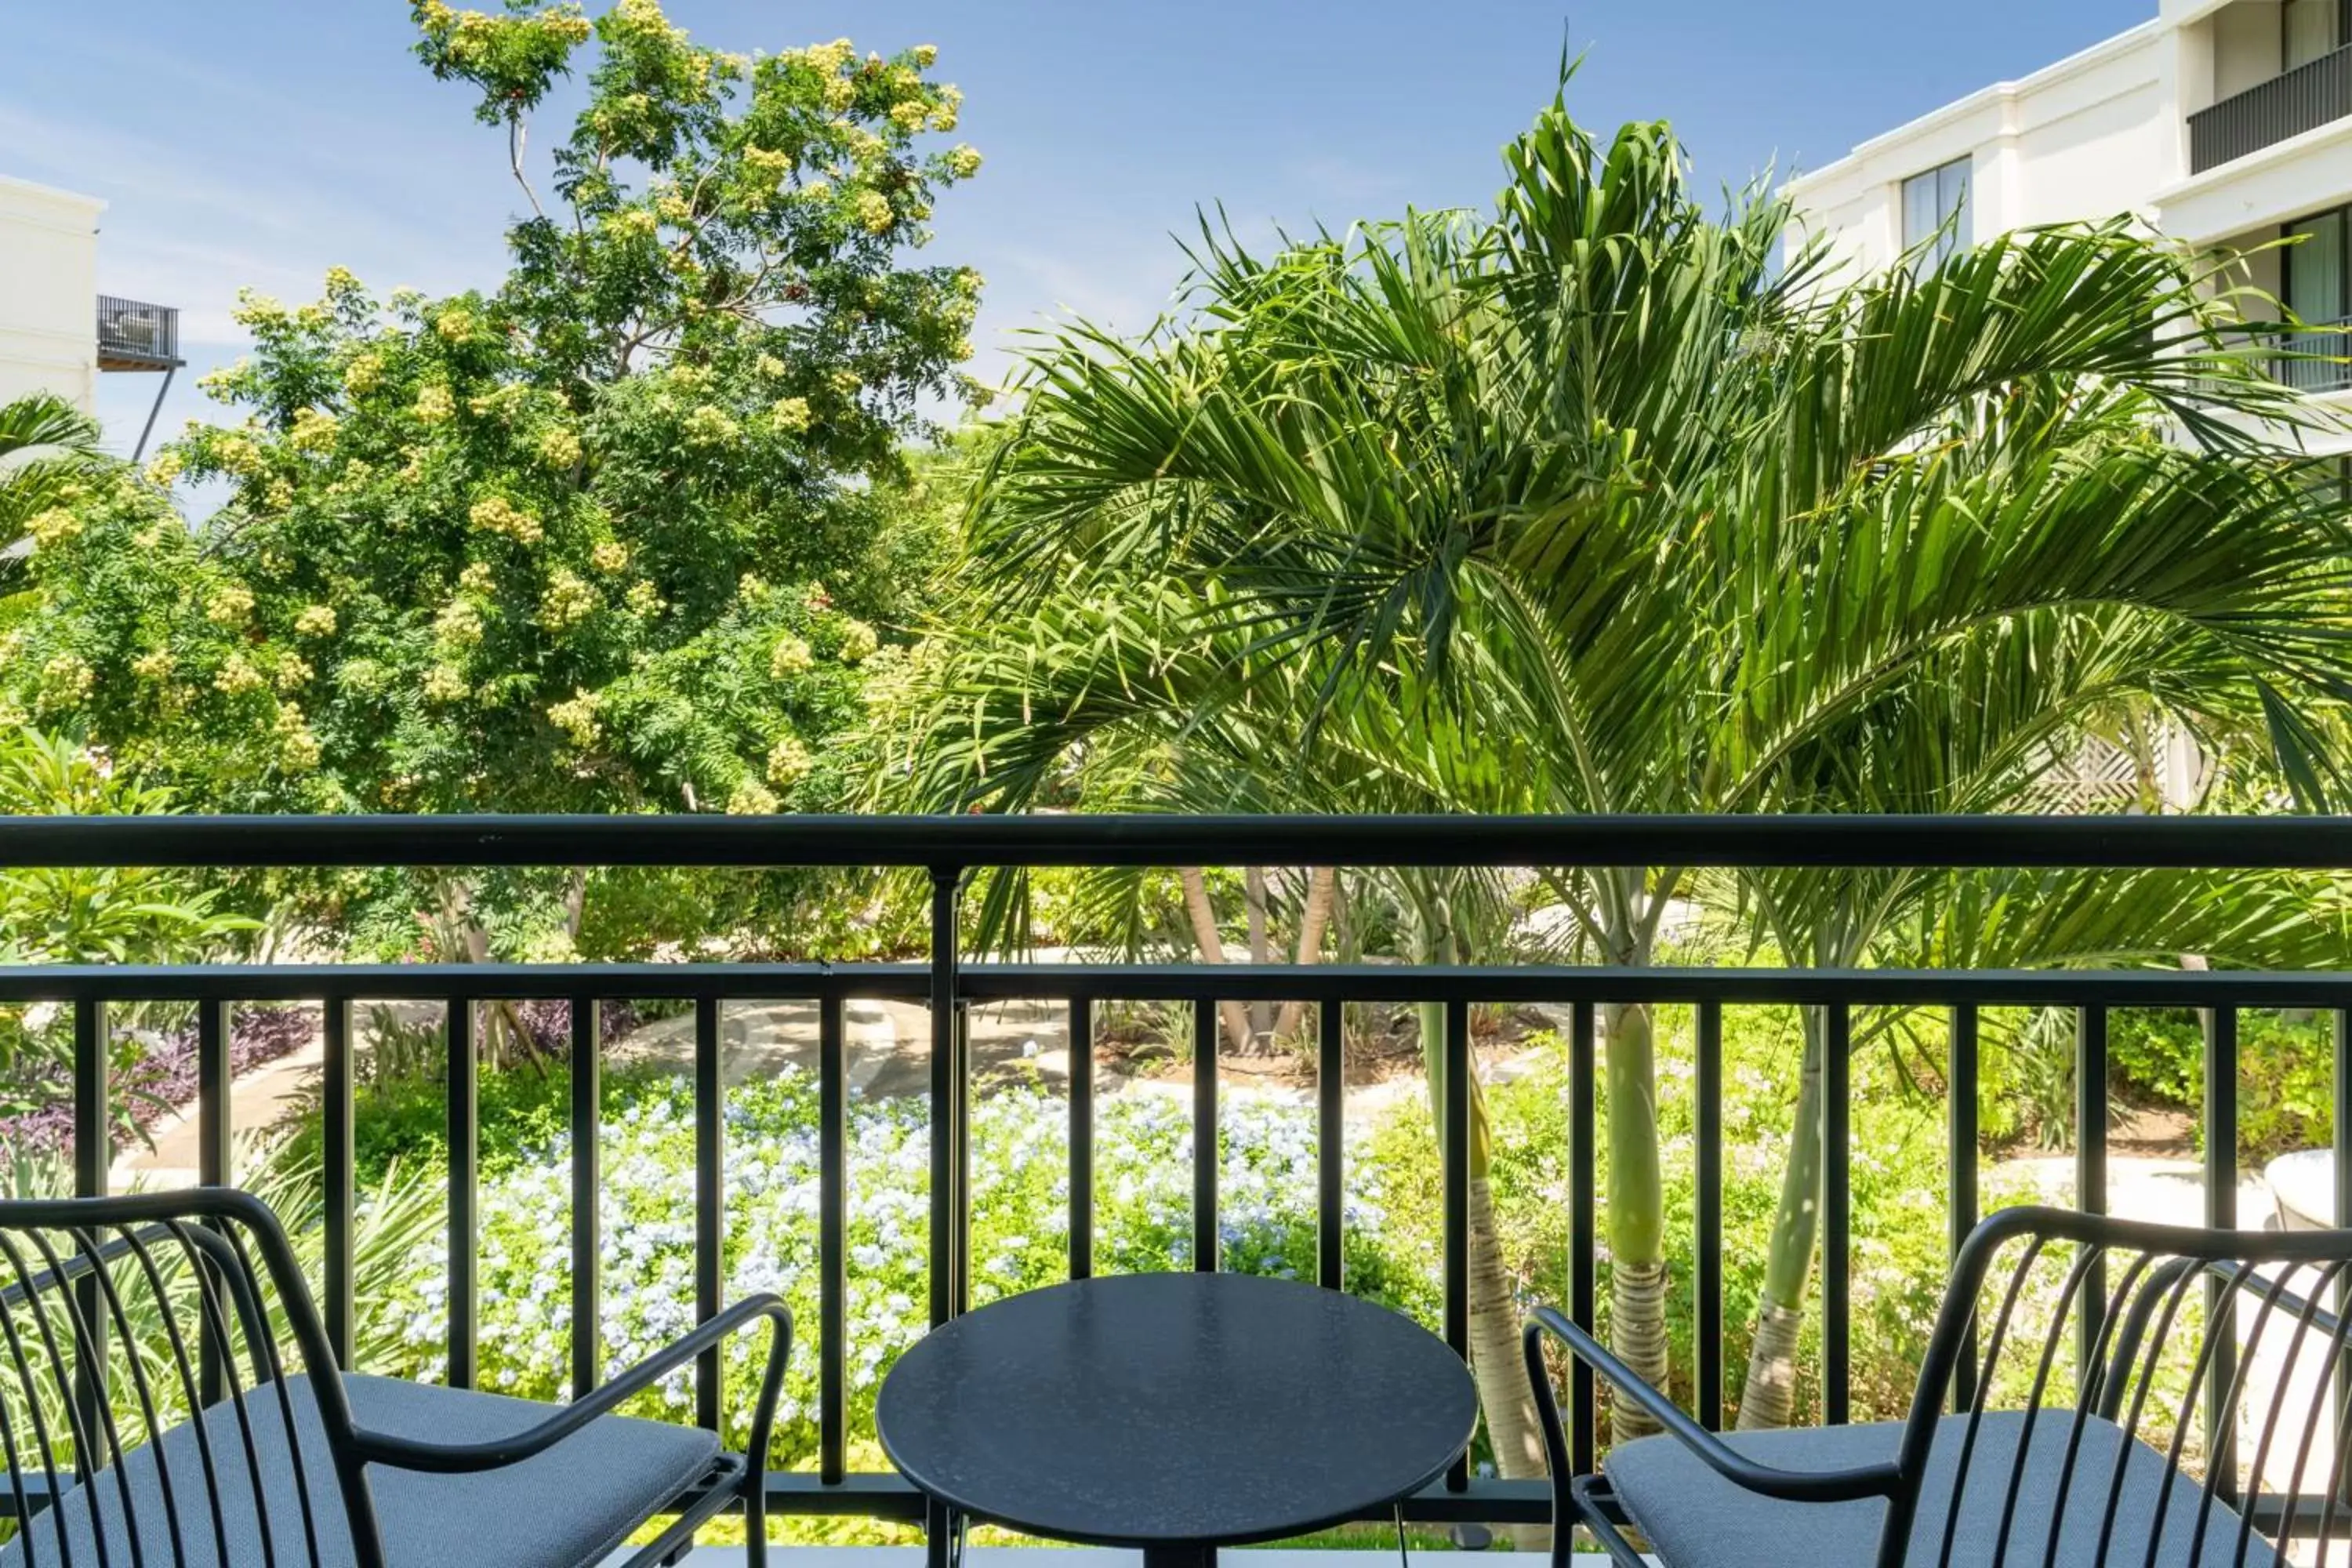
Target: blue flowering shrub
(1144, 1214)
(1020, 1228)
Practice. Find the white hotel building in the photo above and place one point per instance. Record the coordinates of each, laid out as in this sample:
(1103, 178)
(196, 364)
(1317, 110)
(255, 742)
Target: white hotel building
(2221, 122)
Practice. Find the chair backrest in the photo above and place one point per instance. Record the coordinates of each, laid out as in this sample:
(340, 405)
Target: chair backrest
(167, 1393)
(2099, 1391)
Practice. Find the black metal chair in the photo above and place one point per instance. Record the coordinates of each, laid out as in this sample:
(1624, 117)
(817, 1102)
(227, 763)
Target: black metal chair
(2041, 1466)
(154, 1410)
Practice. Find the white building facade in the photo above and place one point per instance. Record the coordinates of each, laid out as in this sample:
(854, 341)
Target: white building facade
(48, 293)
(2225, 124)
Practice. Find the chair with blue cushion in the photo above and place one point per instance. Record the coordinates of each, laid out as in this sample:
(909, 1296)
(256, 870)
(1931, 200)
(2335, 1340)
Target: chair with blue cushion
(155, 1410)
(2061, 1420)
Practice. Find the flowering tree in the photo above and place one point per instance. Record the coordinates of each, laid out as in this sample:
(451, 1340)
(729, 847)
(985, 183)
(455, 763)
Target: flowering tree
(606, 538)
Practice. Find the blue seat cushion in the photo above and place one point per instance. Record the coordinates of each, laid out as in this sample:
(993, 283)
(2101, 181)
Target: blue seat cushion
(1694, 1518)
(568, 1507)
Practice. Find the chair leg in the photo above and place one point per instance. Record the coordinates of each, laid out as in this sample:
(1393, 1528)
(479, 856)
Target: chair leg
(1597, 1509)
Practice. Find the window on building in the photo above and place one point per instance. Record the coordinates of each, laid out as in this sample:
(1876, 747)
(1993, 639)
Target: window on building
(2316, 284)
(1935, 209)
(2310, 28)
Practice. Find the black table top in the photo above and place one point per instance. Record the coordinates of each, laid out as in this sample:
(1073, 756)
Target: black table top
(1152, 1409)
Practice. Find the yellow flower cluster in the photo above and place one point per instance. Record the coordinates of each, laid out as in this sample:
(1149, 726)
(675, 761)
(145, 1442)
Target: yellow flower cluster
(750, 799)
(943, 117)
(236, 677)
(767, 166)
(296, 746)
(964, 160)
(342, 280)
(66, 679)
(164, 469)
(454, 324)
(52, 528)
(789, 763)
(858, 642)
(293, 671)
(610, 556)
(558, 449)
(313, 431)
(364, 375)
(239, 455)
(435, 405)
(633, 223)
(477, 578)
(925, 55)
(279, 496)
(790, 413)
(445, 683)
(909, 114)
(459, 624)
(707, 425)
(498, 515)
(567, 601)
(315, 621)
(229, 605)
(873, 212)
(674, 209)
(257, 311)
(577, 717)
(156, 665)
(643, 598)
(500, 402)
(791, 656)
(840, 92)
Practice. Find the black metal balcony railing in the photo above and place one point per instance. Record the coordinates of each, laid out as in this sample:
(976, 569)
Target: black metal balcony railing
(948, 848)
(132, 335)
(2319, 360)
(2288, 104)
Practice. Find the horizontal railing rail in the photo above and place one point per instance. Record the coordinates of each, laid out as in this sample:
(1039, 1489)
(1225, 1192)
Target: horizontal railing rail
(948, 848)
(2311, 95)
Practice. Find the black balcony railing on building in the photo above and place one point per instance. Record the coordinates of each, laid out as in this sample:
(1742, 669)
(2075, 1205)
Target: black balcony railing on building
(133, 335)
(2289, 104)
(949, 849)
(2321, 360)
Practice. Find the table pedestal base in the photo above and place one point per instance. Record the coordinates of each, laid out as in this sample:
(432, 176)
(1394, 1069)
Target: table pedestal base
(1179, 1557)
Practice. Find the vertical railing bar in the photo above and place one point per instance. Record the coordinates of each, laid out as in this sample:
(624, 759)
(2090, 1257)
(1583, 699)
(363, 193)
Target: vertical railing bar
(1837, 1214)
(2340, 1085)
(93, 1118)
(1082, 1136)
(942, 1261)
(1204, 1136)
(1582, 1259)
(963, 1158)
(465, 1220)
(709, 1203)
(587, 1180)
(1455, 1096)
(338, 1172)
(833, 1243)
(214, 1152)
(2221, 1214)
(1960, 1167)
(1706, 1283)
(2090, 1168)
(1331, 1145)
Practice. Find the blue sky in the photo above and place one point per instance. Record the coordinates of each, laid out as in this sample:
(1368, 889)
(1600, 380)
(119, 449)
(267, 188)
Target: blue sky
(260, 142)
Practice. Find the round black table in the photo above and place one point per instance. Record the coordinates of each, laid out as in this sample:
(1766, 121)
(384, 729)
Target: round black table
(1175, 1412)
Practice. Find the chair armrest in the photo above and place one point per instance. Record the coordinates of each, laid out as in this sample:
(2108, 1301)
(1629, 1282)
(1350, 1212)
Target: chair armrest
(454, 1458)
(1792, 1486)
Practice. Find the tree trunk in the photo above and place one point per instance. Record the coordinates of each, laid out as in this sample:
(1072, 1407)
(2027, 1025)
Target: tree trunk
(1637, 1221)
(1767, 1399)
(1203, 916)
(1495, 1358)
(1261, 949)
(1314, 919)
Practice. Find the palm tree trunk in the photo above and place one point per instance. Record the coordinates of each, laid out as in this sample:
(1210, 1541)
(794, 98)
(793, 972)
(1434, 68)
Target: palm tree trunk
(1203, 916)
(1504, 1396)
(1768, 1398)
(1637, 1263)
(1314, 919)
(1495, 1361)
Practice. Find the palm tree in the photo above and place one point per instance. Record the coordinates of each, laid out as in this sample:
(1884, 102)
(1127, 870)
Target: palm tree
(46, 446)
(1590, 505)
